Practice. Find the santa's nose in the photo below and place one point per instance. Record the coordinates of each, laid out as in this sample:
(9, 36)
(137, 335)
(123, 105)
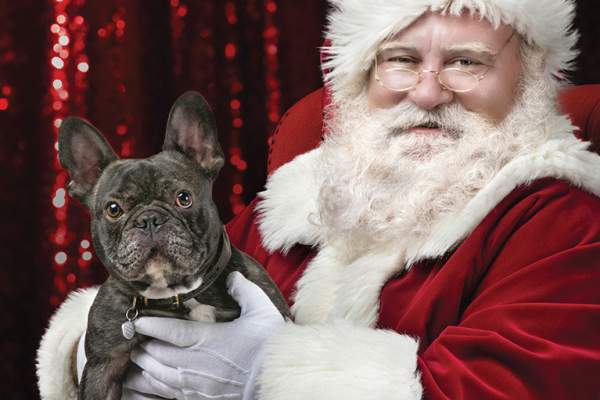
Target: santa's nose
(429, 92)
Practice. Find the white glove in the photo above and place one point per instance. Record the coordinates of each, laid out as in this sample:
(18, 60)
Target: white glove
(201, 360)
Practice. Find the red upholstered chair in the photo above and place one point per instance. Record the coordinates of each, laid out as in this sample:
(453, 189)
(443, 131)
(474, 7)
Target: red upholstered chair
(300, 128)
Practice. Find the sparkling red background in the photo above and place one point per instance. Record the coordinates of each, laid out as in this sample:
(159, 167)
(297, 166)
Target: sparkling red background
(121, 64)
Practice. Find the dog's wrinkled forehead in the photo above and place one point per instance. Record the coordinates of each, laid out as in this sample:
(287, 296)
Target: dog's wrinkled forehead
(145, 180)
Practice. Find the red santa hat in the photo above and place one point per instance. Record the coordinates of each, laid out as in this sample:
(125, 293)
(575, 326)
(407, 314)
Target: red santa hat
(357, 27)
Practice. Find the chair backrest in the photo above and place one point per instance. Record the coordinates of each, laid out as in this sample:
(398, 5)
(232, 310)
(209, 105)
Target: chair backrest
(301, 127)
(582, 104)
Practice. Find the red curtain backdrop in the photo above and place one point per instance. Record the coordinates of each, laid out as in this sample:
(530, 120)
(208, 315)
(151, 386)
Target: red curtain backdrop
(121, 64)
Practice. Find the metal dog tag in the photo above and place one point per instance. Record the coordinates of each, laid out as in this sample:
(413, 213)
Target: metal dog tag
(128, 329)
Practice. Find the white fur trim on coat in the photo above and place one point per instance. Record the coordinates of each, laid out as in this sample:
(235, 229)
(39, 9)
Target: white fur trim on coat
(329, 289)
(54, 358)
(357, 27)
(290, 197)
(339, 361)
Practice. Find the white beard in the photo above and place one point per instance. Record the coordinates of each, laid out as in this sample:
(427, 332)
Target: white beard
(381, 182)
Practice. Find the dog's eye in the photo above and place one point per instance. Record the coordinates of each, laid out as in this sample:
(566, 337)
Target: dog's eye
(113, 210)
(184, 199)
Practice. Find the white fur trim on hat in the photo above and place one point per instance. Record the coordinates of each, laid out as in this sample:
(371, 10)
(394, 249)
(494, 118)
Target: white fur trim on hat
(339, 361)
(357, 27)
(56, 380)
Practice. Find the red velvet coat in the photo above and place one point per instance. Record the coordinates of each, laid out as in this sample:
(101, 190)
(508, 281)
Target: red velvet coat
(510, 310)
(512, 313)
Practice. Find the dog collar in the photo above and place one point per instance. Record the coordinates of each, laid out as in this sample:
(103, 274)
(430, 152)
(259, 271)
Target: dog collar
(176, 303)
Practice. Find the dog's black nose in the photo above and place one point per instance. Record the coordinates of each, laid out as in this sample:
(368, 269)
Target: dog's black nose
(150, 221)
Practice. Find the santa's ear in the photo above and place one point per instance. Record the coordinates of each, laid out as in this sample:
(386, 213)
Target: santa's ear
(83, 152)
(191, 130)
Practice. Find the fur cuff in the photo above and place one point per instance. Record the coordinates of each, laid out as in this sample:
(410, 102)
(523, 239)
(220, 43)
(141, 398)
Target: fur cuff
(339, 361)
(288, 203)
(56, 380)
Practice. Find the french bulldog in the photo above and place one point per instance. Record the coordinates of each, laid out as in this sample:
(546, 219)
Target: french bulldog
(157, 231)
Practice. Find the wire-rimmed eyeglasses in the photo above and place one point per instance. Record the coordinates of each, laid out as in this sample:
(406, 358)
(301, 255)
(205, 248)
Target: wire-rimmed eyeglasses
(394, 74)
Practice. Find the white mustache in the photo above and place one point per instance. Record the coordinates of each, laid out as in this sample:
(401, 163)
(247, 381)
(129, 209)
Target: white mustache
(406, 116)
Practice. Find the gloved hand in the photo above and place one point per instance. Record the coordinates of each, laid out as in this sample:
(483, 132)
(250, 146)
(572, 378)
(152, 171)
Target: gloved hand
(201, 360)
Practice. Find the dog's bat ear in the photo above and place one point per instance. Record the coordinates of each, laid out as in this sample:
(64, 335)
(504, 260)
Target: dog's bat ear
(84, 153)
(191, 130)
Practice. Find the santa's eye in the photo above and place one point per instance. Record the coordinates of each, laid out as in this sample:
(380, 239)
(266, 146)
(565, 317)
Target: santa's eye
(113, 210)
(400, 60)
(184, 199)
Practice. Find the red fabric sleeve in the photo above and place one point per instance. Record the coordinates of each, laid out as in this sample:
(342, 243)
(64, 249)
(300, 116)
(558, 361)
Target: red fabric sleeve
(531, 329)
(286, 269)
(243, 233)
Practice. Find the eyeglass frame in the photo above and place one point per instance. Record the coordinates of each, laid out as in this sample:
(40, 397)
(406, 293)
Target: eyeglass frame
(478, 78)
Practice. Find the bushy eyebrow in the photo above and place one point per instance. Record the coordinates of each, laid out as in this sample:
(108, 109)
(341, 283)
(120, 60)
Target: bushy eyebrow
(475, 48)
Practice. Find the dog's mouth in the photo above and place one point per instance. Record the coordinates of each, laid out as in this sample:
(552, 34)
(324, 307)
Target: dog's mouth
(139, 255)
(163, 266)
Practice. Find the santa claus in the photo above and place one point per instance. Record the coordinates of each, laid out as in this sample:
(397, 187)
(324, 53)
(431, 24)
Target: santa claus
(442, 241)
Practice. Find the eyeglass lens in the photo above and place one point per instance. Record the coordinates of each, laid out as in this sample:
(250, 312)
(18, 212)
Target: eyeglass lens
(404, 79)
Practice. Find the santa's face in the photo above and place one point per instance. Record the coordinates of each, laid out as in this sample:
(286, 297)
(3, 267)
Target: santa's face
(383, 179)
(434, 42)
